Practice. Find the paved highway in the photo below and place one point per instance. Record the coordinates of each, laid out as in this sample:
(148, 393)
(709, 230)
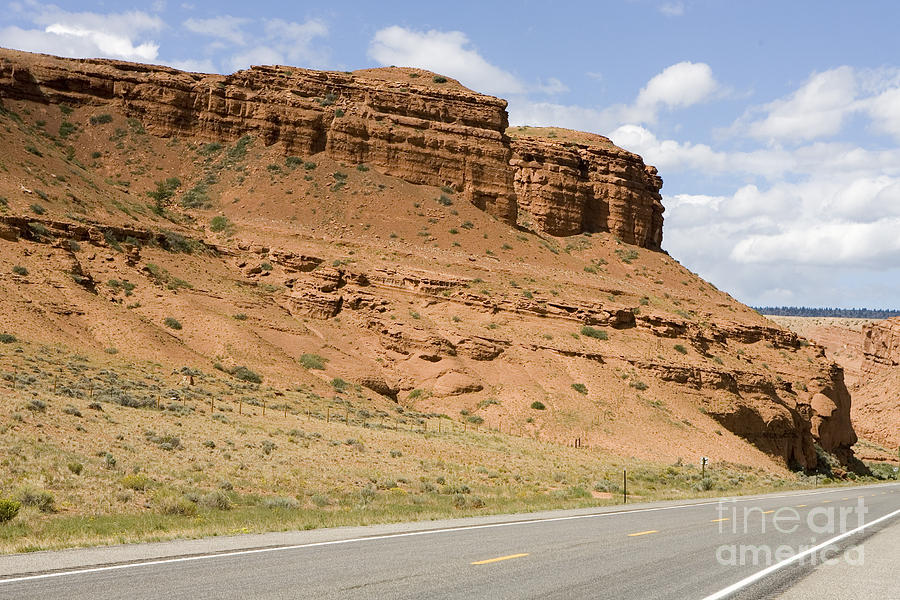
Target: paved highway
(753, 547)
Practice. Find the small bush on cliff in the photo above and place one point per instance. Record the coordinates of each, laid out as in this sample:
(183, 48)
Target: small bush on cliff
(245, 374)
(591, 332)
(38, 209)
(681, 349)
(580, 388)
(538, 405)
(20, 270)
(40, 499)
(7, 338)
(219, 224)
(439, 79)
(172, 323)
(101, 119)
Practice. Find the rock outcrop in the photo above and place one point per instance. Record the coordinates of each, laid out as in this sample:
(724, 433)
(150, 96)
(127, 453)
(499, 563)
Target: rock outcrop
(423, 134)
(881, 342)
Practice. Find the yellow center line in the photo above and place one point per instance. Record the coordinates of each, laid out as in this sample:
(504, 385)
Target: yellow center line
(801, 505)
(643, 532)
(768, 512)
(845, 498)
(498, 559)
(720, 520)
(825, 501)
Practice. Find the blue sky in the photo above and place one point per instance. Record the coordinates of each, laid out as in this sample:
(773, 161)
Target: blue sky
(775, 125)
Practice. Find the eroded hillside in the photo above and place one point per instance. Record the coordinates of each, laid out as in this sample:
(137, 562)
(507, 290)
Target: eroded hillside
(385, 223)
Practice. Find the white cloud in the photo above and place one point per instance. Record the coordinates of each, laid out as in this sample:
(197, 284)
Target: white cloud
(446, 52)
(85, 34)
(817, 109)
(223, 27)
(677, 86)
(672, 9)
(278, 42)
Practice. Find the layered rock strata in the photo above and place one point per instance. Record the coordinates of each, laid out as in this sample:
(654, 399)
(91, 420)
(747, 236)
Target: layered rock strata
(423, 134)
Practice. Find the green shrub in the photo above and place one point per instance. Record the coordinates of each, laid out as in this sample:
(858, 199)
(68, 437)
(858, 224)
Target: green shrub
(177, 505)
(20, 270)
(217, 499)
(66, 129)
(538, 405)
(219, 223)
(38, 209)
(101, 119)
(209, 149)
(445, 200)
(362, 168)
(196, 197)
(638, 385)
(439, 79)
(580, 388)
(339, 384)
(245, 374)
(680, 348)
(172, 322)
(280, 503)
(8, 509)
(309, 165)
(31, 149)
(239, 317)
(40, 499)
(137, 482)
(313, 361)
(594, 333)
(75, 467)
(164, 190)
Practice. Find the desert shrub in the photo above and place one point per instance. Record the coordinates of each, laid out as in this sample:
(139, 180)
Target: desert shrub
(321, 500)
(538, 405)
(293, 162)
(219, 223)
(7, 338)
(580, 388)
(239, 317)
(638, 385)
(177, 505)
(164, 190)
(40, 499)
(196, 197)
(680, 348)
(339, 384)
(268, 446)
(137, 482)
(37, 209)
(165, 442)
(309, 165)
(439, 79)
(75, 467)
(66, 129)
(444, 200)
(32, 150)
(172, 323)
(362, 168)
(280, 502)
(216, 499)
(313, 361)
(9, 508)
(209, 149)
(459, 501)
(594, 333)
(36, 405)
(71, 410)
(101, 119)
(245, 374)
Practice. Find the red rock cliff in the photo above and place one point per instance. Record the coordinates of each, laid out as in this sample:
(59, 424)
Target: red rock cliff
(408, 127)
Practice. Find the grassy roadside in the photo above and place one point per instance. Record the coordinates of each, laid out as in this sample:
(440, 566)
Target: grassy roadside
(94, 461)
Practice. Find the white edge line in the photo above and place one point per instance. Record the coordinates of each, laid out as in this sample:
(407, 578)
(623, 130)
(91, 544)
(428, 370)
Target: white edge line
(227, 554)
(771, 569)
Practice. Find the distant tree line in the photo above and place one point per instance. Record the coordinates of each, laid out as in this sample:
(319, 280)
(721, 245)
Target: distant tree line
(847, 313)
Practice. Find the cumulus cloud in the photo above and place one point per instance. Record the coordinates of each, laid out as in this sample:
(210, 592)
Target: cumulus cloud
(239, 43)
(677, 86)
(85, 34)
(447, 52)
(817, 109)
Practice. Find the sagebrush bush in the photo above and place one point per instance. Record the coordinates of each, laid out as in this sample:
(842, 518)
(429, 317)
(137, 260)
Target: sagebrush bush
(137, 482)
(538, 405)
(591, 332)
(172, 323)
(20, 270)
(40, 499)
(9, 508)
(580, 388)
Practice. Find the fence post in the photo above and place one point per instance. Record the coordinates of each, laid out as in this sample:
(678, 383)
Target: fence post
(625, 486)
(241, 405)
(328, 414)
(264, 407)
(347, 415)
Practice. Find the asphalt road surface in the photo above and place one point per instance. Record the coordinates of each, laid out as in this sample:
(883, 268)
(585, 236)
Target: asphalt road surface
(790, 545)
